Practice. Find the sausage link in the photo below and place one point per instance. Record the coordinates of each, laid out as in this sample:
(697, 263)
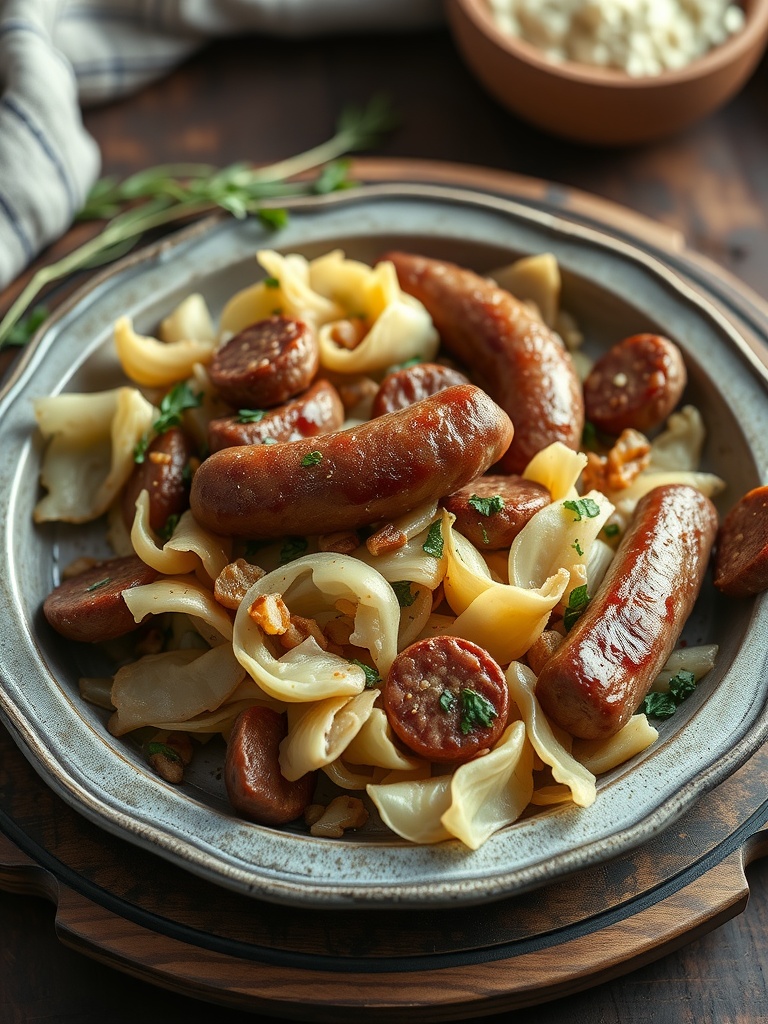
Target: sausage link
(446, 699)
(402, 388)
(596, 679)
(266, 363)
(350, 478)
(90, 606)
(164, 474)
(515, 357)
(636, 384)
(741, 558)
(505, 505)
(317, 411)
(255, 785)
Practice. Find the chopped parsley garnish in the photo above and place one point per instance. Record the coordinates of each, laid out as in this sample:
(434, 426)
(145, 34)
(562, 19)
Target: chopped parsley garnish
(578, 599)
(166, 530)
(477, 711)
(589, 435)
(162, 748)
(447, 701)
(271, 282)
(403, 593)
(487, 506)
(179, 398)
(273, 218)
(611, 530)
(583, 508)
(312, 459)
(664, 705)
(100, 583)
(250, 415)
(269, 440)
(433, 545)
(577, 547)
(372, 677)
(413, 361)
(294, 547)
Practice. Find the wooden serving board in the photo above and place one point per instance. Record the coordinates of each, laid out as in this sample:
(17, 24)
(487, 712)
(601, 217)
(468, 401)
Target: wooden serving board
(136, 912)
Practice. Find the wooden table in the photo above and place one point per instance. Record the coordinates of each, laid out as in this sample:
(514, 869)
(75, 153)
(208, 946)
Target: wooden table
(262, 99)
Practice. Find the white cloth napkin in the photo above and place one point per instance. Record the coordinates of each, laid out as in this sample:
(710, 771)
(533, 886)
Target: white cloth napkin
(56, 55)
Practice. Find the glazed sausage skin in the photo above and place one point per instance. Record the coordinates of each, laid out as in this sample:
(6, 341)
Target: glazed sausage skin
(90, 608)
(404, 387)
(318, 410)
(163, 475)
(741, 558)
(598, 676)
(255, 785)
(349, 478)
(515, 357)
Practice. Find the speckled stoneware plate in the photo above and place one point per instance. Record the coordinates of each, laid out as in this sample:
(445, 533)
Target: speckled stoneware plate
(614, 290)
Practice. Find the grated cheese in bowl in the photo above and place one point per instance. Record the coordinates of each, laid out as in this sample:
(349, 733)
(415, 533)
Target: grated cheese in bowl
(640, 37)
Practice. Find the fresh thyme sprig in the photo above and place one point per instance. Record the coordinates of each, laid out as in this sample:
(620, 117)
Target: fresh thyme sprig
(160, 195)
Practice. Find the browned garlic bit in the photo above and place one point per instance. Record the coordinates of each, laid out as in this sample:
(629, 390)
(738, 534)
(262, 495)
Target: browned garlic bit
(299, 629)
(341, 813)
(168, 753)
(349, 333)
(270, 613)
(630, 455)
(343, 542)
(388, 538)
(234, 581)
(339, 630)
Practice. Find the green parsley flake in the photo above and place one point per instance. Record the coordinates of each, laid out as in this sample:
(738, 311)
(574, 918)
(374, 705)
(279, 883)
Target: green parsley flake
(250, 415)
(271, 282)
(682, 685)
(583, 508)
(487, 506)
(166, 530)
(179, 398)
(447, 701)
(312, 459)
(589, 435)
(372, 677)
(277, 218)
(577, 547)
(477, 711)
(433, 545)
(611, 529)
(269, 440)
(100, 583)
(664, 705)
(403, 593)
(294, 547)
(578, 599)
(162, 748)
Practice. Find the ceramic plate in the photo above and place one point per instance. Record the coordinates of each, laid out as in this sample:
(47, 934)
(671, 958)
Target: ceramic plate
(613, 289)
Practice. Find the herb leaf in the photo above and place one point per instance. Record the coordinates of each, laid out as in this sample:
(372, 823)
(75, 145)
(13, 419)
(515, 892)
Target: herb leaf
(372, 677)
(578, 599)
(664, 705)
(403, 593)
(312, 459)
(611, 529)
(477, 711)
(166, 530)
(447, 701)
(433, 545)
(250, 415)
(487, 506)
(582, 508)
(293, 547)
(173, 404)
(99, 583)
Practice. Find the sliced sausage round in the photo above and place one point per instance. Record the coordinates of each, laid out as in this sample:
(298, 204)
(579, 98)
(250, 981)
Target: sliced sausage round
(165, 475)
(402, 388)
(266, 363)
(317, 411)
(636, 384)
(90, 606)
(741, 558)
(491, 510)
(446, 699)
(256, 788)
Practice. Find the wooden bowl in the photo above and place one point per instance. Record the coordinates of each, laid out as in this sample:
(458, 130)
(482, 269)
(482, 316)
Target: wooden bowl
(603, 106)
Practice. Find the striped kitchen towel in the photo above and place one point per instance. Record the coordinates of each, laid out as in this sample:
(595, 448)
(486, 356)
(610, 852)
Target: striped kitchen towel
(58, 55)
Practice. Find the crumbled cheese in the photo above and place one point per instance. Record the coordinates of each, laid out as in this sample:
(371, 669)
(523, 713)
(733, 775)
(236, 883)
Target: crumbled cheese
(641, 37)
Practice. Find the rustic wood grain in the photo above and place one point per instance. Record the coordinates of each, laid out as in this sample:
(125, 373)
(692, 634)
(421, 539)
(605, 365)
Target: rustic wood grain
(261, 99)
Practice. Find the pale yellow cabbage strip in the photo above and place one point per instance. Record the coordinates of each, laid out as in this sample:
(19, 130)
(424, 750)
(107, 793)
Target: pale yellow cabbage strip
(565, 768)
(156, 364)
(185, 595)
(189, 548)
(599, 756)
(319, 733)
(414, 809)
(557, 468)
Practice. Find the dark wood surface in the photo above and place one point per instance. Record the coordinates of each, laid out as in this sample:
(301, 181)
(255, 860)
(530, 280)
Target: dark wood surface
(261, 100)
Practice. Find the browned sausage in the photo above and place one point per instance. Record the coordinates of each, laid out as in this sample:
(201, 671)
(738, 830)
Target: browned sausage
(516, 358)
(596, 679)
(165, 475)
(402, 388)
(317, 411)
(446, 699)
(636, 384)
(349, 478)
(492, 510)
(90, 606)
(256, 788)
(266, 363)
(741, 558)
